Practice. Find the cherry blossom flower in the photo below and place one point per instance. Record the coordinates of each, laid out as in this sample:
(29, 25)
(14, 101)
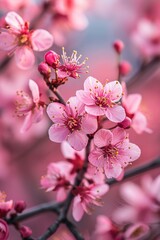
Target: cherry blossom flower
(131, 104)
(100, 100)
(19, 39)
(4, 232)
(29, 106)
(147, 38)
(71, 123)
(137, 231)
(5, 206)
(113, 151)
(143, 202)
(85, 197)
(58, 179)
(71, 66)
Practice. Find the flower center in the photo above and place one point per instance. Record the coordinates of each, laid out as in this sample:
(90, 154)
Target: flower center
(23, 39)
(73, 124)
(110, 151)
(103, 101)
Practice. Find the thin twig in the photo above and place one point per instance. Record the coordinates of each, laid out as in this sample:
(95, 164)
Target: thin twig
(141, 169)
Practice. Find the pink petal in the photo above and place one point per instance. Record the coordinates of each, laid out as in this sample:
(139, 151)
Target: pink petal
(41, 40)
(103, 225)
(119, 135)
(137, 231)
(35, 90)
(25, 58)
(58, 133)
(78, 140)
(132, 102)
(115, 114)
(14, 21)
(56, 112)
(112, 171)
(85, 97)
(103, 138)
(61, 195)
(95, 158)
(37, 114)
(77, 210)
(100, 190)
(91, 85)
(75, 106)
(27, 122)
(94, 110)
(89, 124)
(139, 123)
(69, 152)
(113, 90)
(125, 214)
(7, 41)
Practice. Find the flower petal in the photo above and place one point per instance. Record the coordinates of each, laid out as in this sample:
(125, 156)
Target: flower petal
(27, 122)
(77, 210)
(91, 85)
(115, 114)
(96, 158)
(78, 140)
(89, 124)
(95, 110)
(41, 40)
(119, 134)
(112, 171)
(132, 102)
(74, 106)
(85, 97)
(35, 90)
(58, 133)
(15, 21)
(102, 138)
(7, 41)
(25, 58)
(56, 112)
(113, 90)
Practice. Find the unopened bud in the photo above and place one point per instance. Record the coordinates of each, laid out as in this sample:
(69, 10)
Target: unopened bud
(44, 69)
(124, 68)
(19, 206)
(25, 231)
(118, 46)
(4, 232)
(52, 58)
(126, 123)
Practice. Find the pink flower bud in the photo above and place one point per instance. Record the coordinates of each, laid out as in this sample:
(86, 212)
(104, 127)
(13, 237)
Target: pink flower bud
(126, 123)
(52, 58)
(25, 231)
(44, 69)
(118, 46)
(124, 68)
(4, 233)
(20, 206)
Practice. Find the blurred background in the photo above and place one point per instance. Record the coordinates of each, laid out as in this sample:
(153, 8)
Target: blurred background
(90, 27)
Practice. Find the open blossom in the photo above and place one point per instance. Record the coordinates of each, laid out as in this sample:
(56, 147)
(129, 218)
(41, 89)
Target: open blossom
(4, 232)
(19, 39)
(71, 66)
(100, 100)
(71, 123)
(5, 206)
(85, 197)
(143, 202)
(29, 106)
(58, 179)
(131, 104)
(147, 38)
(113, 151)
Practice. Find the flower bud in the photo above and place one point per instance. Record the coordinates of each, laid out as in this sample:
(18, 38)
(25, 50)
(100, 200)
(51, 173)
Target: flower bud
(52, 58)
(126, 123)
(118, 46)
(19, 206)
(4, 233)
(25, 231)
(44, 69)
(124, 68)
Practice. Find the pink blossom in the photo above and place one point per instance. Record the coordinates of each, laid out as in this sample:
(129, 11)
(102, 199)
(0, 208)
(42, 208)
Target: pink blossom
(86, 197)
(58, 179)
(71, 66)
(131, 104)
(29, 106)
(71, 123)
(143, 202)
(5, 206)
(19, 39)
(113, 151)
(137, 231)
(100, 100)
(147, 37)
(4, 232)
